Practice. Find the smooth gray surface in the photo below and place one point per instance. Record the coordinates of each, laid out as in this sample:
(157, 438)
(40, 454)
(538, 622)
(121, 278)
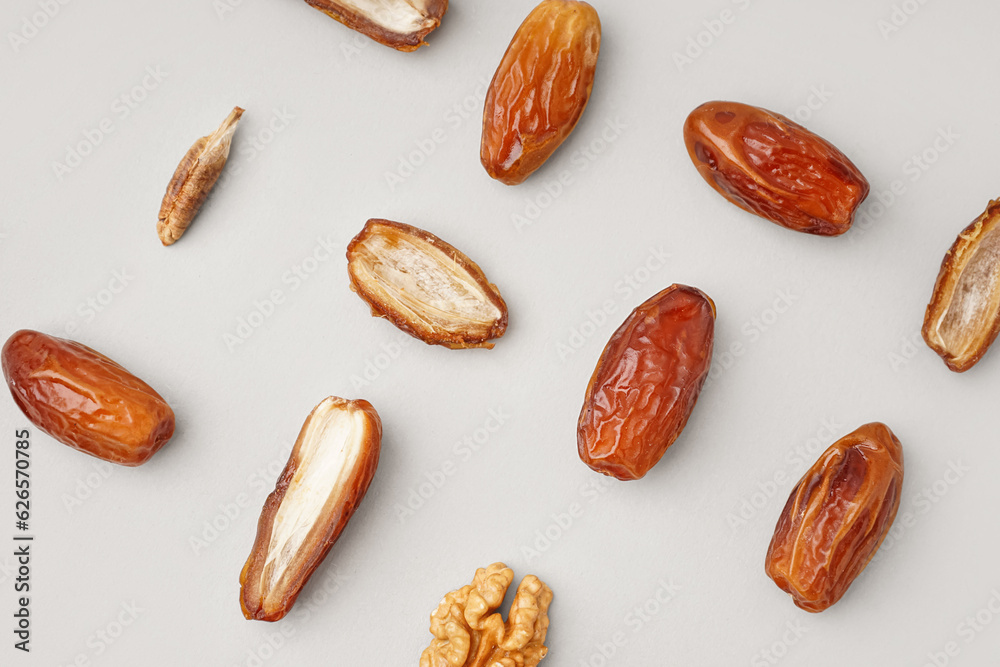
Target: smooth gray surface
(328, 114)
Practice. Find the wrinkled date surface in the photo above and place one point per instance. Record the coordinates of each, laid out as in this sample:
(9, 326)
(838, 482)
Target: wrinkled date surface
(963, 317)
(647, 383)
(324, 481)
(540, 89)
(836, 517)
(85, 400)
(768, 165)
(401, 24)
(426, 287)
(469, 632)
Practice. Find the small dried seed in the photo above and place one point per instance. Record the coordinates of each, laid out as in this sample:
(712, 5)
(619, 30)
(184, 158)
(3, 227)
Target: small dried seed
(194, 178)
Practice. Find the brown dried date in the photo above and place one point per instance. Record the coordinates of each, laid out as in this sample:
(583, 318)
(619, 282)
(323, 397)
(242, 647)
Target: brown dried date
(647, 383)
(963, 317)
(85, 400)
(775, 168)
(836, 517)
(540, 89)
(324, 481)
(401, 24)
(425, 286)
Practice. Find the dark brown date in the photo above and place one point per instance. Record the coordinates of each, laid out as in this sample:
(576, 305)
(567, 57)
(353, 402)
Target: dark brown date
(85, 400)
(646, 383)
(771, 166)
(963, 317)
(540, 89)
(836, 517)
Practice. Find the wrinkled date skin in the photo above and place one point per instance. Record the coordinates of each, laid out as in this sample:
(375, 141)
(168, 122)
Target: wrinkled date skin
(836, 517)
(85, 400)
(771, 166)
(963, 316)
(540, 89)
(647, 383)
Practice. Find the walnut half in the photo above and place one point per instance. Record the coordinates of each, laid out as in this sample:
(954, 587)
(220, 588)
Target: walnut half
(467, 634)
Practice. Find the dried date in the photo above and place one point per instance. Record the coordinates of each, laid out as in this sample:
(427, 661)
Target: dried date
(771, 166)
(540, 89)
(836, 517)
(963, 317)
(85, 400)
(646, 383)
(425, 286)
(400, 24)
(327, 475)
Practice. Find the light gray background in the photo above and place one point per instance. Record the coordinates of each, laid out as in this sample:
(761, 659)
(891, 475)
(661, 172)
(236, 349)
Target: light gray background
(118, 545)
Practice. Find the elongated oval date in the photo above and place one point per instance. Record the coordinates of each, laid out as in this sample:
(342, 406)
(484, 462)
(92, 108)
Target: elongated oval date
(326, 478)
(401, 24)
(836, 517)
(771, 166)
(647, 383)
(540, 89)
(963, 317)
(85, 400)
(426, 287)
(194, 179)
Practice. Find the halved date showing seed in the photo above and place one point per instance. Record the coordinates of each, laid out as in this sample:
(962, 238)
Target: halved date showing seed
(426, 287)
(85, 400)
(771, 166)
(540, 89)
(401, 24)
(646, 383)
(836, 517)
(326, 478)
(963, 317)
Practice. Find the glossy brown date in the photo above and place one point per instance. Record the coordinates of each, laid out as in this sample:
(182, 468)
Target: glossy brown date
(836, 517)
(647, 383)
(771, 166)
(327, 475)
(963, 317)
(540, 89)
(85, 400)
